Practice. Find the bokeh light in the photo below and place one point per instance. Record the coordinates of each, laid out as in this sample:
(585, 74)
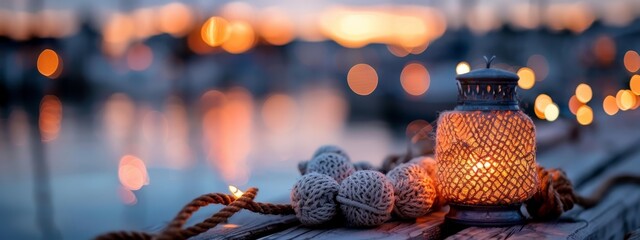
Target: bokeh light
(632, 61)
(215, 31)
(463, 67)
(527, 78)
(139, 57)
(276, 27)
(604, 49)
(625, 99)
(50, 119)
(540, 105)
(49, 63)
(584, 93)
(634, 84)
(132, 173)
(551, 112)
(609, 105)
(574, 104)
(362, 79)
(584, 115)
(241, 38)
(176, 19)
(415, 79)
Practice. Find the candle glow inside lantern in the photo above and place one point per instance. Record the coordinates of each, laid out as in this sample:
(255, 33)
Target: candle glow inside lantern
(485, 151)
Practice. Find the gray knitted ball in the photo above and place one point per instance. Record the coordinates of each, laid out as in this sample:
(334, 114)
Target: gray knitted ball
(414, 190)
(366, 199)
(429, 164)
(313, 198)
(331, 149)
(331, 164)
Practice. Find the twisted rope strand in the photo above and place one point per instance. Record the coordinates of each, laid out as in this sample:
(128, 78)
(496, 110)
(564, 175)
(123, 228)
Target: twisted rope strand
(174, 228)
(556, 194)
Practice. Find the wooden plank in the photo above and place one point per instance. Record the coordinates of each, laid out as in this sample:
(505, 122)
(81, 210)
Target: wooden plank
(611, 219)
(581, 161)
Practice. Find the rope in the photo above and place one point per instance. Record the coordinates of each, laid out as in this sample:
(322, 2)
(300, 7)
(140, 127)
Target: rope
(174, 229)
(556, 194)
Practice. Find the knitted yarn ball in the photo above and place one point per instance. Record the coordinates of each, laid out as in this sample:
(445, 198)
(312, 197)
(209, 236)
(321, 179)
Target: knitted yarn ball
(313, 198)
(414, 190)
(331, 149)
(359, 166)
(429, 164)
(331, 164)
(366, 199)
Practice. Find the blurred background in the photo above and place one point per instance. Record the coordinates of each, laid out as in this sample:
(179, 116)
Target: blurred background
(113, 114)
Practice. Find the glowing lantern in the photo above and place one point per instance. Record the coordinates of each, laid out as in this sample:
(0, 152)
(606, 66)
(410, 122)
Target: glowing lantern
(485, 151)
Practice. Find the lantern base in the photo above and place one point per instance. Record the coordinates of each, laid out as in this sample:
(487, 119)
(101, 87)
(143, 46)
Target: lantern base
(485, 216)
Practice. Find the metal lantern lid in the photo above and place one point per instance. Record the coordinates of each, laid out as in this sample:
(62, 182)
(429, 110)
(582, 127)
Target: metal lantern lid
(487, 89)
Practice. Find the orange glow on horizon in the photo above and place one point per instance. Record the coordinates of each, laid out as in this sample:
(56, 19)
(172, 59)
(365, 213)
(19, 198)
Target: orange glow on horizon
(415, 79)
(362, 79)
(408, 26)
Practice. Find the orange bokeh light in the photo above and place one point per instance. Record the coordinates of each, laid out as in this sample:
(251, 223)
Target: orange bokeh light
(584, 115)
(584, 93)
(574, 104)
(625, 99)
(609, 105)
(175, 19)
(241, 38)
(49, 63)
(132, 173)
(50, 117)
(139, 57)
(275, 27)
(215, 31)
(527, 78)
(415, 79)
(362, 79)
(540, 105)
(634, 84)
(632, 61)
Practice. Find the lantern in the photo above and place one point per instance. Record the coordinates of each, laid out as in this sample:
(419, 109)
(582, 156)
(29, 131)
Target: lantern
(485, 151)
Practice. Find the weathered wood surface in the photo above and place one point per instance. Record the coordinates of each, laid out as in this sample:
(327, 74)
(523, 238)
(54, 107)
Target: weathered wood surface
(587, 162)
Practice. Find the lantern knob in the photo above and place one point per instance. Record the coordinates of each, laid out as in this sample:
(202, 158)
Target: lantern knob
(489, 60)
(487, 89)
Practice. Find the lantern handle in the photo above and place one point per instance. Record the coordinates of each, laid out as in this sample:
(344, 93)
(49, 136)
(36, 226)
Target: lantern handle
(489, 60)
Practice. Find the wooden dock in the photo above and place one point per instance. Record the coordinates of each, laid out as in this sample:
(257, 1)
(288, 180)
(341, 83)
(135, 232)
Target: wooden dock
(597, 155)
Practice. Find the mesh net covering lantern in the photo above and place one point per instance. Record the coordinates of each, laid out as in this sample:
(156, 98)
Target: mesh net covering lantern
(485, 151)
